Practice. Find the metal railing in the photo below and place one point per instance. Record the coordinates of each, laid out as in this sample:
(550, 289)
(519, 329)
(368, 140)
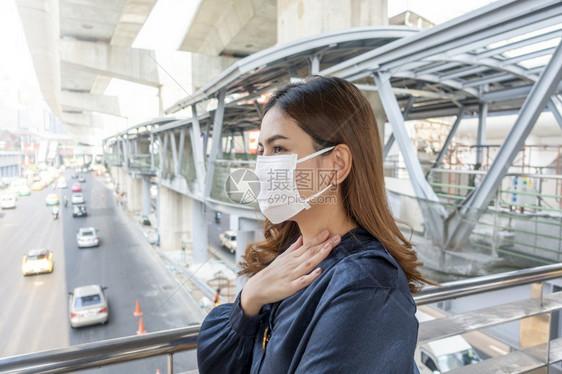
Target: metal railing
(168, 342)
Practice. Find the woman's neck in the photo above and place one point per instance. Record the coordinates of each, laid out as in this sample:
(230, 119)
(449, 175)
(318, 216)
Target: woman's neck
(332, 218)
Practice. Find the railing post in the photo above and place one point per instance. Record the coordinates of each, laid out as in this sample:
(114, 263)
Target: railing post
(170, 363)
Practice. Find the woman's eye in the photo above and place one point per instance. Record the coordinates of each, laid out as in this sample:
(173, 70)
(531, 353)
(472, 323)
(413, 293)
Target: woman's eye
(278, 149)
(260, 150)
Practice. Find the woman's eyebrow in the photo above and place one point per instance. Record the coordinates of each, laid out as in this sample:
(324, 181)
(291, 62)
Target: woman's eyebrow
(273, 138)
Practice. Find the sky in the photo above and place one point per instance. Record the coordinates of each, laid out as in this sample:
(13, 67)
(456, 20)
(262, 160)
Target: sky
(18, 82)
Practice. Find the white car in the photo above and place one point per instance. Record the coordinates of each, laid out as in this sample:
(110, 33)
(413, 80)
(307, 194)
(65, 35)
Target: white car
(8, 201)
(87, 237)
(88, 306)
(77, 198)
(228, 240)
(442, 355)
(62, 183)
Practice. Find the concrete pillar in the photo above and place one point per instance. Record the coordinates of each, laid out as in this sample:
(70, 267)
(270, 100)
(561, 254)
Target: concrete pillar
(233, 224)
(134, 195)
(146, 204)
(248, 232)
(301, 18)
(200, 233)
(169, 218)
(176, 216)
(126, 187)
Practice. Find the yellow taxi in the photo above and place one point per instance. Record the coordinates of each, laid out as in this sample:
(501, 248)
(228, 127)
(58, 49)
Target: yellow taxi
(37, 186)
(37, 261)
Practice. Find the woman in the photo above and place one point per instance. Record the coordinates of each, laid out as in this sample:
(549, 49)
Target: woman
(329, 289)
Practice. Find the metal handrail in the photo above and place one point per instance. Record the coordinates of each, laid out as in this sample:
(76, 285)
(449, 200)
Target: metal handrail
(494, 282)
(105, 352)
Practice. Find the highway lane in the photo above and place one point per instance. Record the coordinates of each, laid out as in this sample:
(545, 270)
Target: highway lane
(124, 262)
(28, 302)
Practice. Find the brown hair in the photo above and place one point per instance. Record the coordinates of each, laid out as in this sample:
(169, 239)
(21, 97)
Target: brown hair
(333, 111)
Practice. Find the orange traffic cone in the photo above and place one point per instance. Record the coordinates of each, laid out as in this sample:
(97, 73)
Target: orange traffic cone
(141, 329)
(138, 311)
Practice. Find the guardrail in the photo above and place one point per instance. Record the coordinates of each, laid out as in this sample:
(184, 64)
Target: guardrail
(168, 342)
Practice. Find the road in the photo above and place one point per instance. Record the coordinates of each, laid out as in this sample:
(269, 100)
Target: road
(34, 309)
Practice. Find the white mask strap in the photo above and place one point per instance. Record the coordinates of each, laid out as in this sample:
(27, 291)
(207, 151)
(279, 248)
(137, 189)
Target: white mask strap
(317, 194)
(316, 154)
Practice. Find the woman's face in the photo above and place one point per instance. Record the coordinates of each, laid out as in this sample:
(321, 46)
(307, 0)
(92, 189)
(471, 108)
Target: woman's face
(280, 135)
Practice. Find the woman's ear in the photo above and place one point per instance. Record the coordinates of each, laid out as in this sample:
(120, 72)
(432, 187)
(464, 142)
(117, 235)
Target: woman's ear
(341, 160)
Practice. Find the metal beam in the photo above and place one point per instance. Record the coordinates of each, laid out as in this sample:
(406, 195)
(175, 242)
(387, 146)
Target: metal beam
(513, 93)
(151, 149)
(449, 138)
(180, 150)
(481, 134)
(388, 146)
(163, 151)
(495, 22)
(555, 106)
(405, 113)
(172, 136)
(432, 210)
(315, 63)
(216, 142)
(198, 152)
(464, 219)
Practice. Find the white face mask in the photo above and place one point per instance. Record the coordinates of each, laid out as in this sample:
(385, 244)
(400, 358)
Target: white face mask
(279, 199)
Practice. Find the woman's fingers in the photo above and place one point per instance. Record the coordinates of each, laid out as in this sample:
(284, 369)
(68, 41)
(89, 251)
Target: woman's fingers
(316, 255)
(318, 239)
(295, 245)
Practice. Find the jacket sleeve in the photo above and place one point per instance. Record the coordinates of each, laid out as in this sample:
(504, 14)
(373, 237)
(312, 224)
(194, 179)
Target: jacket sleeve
(226, 340)
(367, 330)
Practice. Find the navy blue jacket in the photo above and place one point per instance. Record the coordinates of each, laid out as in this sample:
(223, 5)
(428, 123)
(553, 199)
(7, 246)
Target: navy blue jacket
(357, 317)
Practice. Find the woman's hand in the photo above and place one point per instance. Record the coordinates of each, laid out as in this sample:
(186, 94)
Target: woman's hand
(290, 272)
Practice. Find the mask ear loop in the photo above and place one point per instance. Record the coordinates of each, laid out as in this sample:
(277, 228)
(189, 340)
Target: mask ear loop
(315, 154)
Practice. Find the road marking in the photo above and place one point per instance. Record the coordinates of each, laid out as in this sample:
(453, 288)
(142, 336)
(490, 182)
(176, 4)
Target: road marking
(38, 283)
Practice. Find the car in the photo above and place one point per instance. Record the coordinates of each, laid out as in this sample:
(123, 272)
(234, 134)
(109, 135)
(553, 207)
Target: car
(74, 175)
(37, 261)
(24, 191)
(79, 210)
(88, 305)
(8, 201)
(442, 355)
(52, 199)
(62, 183)
(228, 240)
(77, 198)
(81, 179)
(76, 187)
(36, 186)
(87, 237)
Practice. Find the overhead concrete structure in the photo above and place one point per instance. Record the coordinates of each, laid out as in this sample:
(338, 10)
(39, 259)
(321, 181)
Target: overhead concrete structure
(80, 47)
(232, 27)
(64, 35)
(301, 18)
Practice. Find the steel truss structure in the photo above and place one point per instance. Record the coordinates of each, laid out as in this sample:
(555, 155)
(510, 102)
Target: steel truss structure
(502, 58)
